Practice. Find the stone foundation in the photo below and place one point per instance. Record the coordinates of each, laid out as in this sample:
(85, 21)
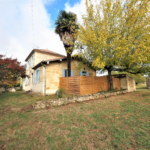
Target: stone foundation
(64, 101)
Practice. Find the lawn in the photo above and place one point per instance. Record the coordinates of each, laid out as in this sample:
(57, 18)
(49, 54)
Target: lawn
(117, 122)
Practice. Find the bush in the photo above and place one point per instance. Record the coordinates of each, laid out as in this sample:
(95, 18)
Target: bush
(17, 85)
(61, 92)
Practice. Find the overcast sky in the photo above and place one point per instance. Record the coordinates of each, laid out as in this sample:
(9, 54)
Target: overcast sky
(16, 34)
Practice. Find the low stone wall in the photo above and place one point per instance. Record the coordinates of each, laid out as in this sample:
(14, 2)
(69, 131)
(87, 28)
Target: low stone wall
(63, 101)
(13, 89)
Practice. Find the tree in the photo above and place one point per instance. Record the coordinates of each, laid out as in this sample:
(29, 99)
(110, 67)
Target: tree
(115, 35)
(66, 27)
(10, 71)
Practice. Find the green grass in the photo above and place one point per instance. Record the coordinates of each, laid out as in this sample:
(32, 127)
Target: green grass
(118, 122)
(141, 86)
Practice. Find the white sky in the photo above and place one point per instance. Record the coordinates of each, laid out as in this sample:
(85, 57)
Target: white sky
(16, 27)
(16, 38)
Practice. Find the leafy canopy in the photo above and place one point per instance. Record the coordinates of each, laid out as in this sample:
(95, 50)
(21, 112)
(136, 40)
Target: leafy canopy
(10, 71)
(116, 34)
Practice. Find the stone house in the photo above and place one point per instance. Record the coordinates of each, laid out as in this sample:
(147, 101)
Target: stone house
(45, 68)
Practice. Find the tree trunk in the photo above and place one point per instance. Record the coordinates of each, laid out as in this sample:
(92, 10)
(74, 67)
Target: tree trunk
(110, 79)
(69, 64)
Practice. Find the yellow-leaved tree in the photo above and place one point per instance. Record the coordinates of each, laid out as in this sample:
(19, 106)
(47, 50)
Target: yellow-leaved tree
(115, 35)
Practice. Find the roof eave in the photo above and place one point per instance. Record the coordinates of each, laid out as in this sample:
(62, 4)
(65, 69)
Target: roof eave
(47, 62)
(29, 55)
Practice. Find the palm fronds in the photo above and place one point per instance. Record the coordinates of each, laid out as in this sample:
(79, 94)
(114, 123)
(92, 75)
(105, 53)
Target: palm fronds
(65, 22)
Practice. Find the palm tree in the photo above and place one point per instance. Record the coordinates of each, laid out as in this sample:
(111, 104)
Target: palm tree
(66, 27)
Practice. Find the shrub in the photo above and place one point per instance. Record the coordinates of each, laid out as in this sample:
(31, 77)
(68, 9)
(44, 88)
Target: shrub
(61, 92)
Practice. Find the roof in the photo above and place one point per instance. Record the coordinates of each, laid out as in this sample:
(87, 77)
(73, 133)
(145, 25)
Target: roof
(44, 51)
(48, 61)
(59, 59)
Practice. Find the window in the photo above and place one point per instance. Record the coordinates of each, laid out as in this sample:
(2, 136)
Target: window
(27, 80)
(84, 73)
(37, 76)
(65, 73)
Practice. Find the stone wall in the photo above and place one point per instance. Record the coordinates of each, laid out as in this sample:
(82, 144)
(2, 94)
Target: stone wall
(130, 84)
(55, 70)
(37, 87)
(64, 101)
(9, 89)
(39, 56)
(123, 82)
(148, 82)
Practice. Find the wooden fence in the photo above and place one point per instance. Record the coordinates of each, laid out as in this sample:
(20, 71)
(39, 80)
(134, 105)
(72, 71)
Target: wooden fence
(87, 84)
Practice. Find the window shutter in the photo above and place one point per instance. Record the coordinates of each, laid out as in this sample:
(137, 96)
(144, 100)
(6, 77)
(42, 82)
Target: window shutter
(80, 73)
(87, 73)
(63, 72)
(35, 76)
(71, 73)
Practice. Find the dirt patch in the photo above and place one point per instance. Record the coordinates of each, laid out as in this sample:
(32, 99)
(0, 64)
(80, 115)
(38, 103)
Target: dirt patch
(16, 109)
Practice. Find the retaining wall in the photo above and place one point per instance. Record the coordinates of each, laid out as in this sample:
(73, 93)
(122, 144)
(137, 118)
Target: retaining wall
(64, 101)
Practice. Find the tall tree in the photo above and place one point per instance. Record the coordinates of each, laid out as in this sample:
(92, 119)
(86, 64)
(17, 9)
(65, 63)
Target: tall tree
(10, 71)
(66, 27)
(115, 35)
